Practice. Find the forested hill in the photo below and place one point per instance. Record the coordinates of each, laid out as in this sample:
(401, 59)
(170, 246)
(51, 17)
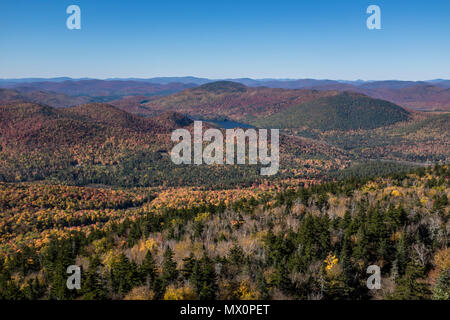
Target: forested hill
(40, 126)
(346, 111)
(226, 99)
(98, 143)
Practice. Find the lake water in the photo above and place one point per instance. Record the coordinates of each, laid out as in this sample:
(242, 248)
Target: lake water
(230, 124)
(225, 124)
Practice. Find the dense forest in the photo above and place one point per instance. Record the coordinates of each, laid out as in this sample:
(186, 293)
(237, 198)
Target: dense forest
(346, 111)
(312, 242)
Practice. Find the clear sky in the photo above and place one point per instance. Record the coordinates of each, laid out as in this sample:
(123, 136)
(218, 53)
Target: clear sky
(226, 39)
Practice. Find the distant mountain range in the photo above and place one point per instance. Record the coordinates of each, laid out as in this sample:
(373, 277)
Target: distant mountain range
(430, 95)
(269, 82)
(100, 88)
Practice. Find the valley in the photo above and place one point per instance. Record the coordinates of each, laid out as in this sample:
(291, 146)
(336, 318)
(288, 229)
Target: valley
(361, 180)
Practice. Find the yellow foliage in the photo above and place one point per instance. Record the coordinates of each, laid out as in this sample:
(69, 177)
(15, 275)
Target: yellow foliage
(183, 293)
(140, 293)
(370, 186)
(100, 245)
(148, 244)
(245, 292)
(442, 259)
(260, 235)
(396, 193)
(201, 217)
(331, 261)
(108, 259)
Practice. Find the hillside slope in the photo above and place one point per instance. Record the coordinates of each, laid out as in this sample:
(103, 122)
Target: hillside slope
(346, 111)
(53, 99)
(226, 99)
(100, 144)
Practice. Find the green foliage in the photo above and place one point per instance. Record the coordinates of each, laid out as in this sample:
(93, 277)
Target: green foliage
(411, 286)
(203, 278)
(442, 289)
(169, 272)
(124, 275)
(346, 111)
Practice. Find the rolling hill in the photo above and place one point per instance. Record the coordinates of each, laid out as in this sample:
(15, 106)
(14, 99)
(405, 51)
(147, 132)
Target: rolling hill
(58, 100)
(231, 100)
(266, 106)
(419, 97)
(346, 111)
(414, 95)
(35, 128)
(97, 143)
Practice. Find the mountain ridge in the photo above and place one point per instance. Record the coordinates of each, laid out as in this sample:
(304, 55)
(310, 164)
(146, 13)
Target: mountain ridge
(345, 111)
(427, 97)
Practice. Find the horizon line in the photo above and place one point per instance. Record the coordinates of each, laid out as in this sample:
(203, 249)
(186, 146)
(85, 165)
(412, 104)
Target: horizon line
(215, 79)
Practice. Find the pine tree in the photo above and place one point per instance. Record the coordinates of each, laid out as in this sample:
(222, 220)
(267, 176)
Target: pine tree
(402, 255)
(124, 275)
(93, 285)
(394, 271)
(281, 279)
(169, 272)
(204, 278)
(188, 266)
(33, 290)
(345, 222)
(345, 257)
(361, 251)
(58, 286)
(410, 286)
(148, 269)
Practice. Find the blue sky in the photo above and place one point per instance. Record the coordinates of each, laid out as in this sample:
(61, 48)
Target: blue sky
(226, 39)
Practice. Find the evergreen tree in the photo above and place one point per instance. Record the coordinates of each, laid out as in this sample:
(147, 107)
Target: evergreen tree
(188, 266)
(93, 285)
(281, 279)
(204, 278)
(124, 275)
(58, 286)
(412, 286)
(169, 270)
(148, 269)
(402, 255)
(361, 251)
